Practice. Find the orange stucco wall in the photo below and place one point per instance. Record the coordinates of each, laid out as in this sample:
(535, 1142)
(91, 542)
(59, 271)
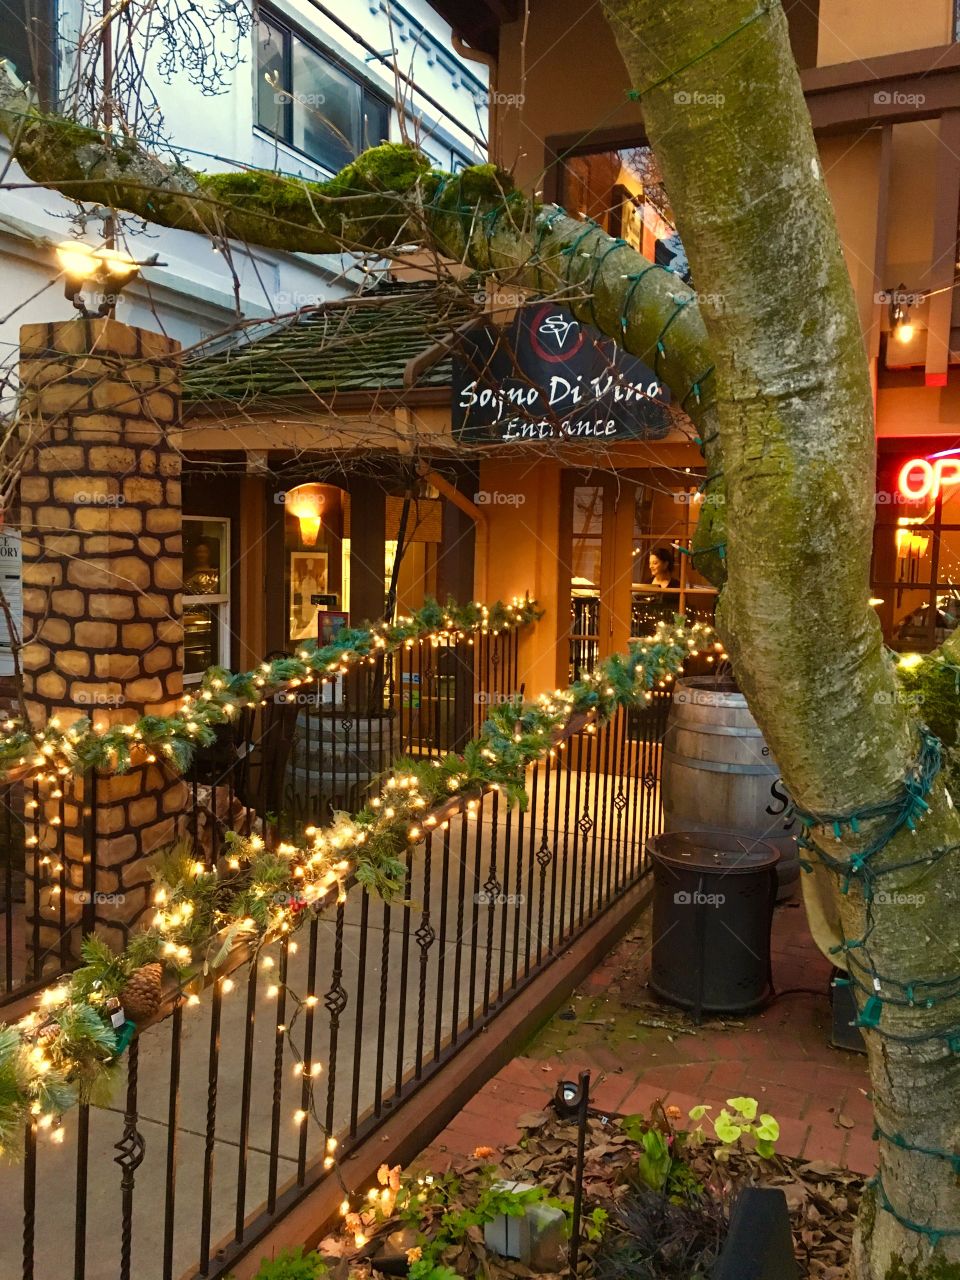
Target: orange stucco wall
(852, 29)
(563, 38)
(521, 497)
(851, 168)
(521, 552)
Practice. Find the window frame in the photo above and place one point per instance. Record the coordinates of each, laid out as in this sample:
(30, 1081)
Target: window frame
(370, 95)
(221, 600)
(45, 34)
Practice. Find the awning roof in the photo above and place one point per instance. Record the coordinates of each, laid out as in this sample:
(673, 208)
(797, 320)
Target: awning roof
(362, 343)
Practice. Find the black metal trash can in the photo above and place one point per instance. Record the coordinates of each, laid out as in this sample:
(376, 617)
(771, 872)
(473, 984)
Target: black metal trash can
(713, 899)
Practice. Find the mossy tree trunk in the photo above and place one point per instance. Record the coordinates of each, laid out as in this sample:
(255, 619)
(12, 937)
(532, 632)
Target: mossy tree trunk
(735, 143)
(790, 408)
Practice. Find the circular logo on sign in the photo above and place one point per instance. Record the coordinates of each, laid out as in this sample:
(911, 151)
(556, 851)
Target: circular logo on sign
(554, 335)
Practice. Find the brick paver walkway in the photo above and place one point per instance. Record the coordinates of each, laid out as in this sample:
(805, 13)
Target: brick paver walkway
(781, 1056)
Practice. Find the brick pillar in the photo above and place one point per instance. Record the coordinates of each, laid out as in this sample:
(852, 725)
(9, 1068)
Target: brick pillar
(102, 582)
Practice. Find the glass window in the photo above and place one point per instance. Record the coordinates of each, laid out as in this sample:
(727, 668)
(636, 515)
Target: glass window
(305, 98)
(27, 41)
(665, 581)
(273, 101)
(326, 108)
(916, 558)
(623, 192)
(661, 580)
(206, 595)
(585, 578)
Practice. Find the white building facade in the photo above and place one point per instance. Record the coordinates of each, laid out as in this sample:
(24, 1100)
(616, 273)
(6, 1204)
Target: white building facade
(309, 88)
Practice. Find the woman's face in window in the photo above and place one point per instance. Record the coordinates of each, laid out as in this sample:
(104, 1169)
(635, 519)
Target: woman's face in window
(658, 568)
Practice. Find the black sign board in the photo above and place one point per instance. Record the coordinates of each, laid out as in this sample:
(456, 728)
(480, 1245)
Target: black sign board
(325, 601)
(547, 376)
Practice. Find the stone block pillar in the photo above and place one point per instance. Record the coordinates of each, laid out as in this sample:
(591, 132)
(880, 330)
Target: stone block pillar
(102, 594)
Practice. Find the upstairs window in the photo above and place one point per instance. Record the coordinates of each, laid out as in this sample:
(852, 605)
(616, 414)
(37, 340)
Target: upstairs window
(311, 102)
(27, 41)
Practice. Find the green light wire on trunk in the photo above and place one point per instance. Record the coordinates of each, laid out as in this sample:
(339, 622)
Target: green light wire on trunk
(635, 95)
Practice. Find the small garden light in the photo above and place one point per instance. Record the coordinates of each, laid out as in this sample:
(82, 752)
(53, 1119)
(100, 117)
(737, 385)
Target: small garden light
(568, 1099)
(108, 270)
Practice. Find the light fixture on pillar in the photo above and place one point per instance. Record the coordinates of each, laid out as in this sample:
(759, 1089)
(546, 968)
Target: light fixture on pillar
(900, 324)
(107, 270)
(307, 502)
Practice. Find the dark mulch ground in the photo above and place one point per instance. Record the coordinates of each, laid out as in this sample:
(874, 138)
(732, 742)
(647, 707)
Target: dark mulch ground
(646, 1238)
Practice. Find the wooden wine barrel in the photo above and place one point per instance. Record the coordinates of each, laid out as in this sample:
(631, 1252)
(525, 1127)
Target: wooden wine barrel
(718, 774)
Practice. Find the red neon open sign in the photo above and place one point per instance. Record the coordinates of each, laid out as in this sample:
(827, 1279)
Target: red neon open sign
(926, 478)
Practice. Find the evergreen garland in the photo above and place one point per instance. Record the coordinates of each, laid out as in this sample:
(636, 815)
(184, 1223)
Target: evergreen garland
(26, 753)
(68, 1050)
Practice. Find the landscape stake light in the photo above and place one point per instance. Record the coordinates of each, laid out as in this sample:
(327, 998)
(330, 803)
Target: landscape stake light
(567, 1099)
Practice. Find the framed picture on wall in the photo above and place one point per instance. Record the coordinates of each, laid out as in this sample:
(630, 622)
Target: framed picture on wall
(329, 625)
(308, 577)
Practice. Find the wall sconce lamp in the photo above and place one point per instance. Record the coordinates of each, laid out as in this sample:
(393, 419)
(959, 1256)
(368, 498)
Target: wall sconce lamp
(108, 270)
(307, 502)
(900, 324)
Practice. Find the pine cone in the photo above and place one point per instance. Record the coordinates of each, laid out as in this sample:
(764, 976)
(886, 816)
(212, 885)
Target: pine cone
(141, 995)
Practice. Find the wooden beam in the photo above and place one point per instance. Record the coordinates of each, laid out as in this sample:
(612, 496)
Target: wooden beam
(942, 270)
(880, 282)
(367, 536)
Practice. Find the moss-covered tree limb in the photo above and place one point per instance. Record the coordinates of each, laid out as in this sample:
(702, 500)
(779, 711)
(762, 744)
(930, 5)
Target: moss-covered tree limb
(389, 197)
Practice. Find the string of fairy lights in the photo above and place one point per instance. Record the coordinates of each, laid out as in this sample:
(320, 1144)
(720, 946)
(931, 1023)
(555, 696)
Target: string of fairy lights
(209, 918)
(54, 751)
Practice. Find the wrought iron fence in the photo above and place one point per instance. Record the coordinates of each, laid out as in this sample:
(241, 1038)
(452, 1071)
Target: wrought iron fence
(294, 761)
(230, 1103)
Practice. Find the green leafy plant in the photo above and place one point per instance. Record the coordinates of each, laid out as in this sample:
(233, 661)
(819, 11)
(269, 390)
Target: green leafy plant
(292, 1264)
(596, 1224)
(661, 1165)
(424, 1270)
(741, 1121)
